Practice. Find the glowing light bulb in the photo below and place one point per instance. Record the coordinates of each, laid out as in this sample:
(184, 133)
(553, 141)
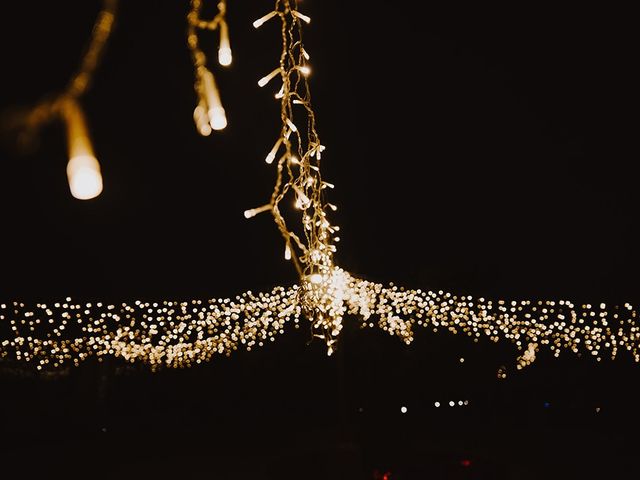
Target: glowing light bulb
(403, 409)
(258, 23)
(255, 211)
(224, 51)
(294, 160)
(301, 16)
(85, 179)
(211, 95)
(264, 80)
(202, 120)
(83, 169)
(305, 70)
(280, 93)
(292, 126)
(287, 252)
(272, 154)
(315, 278)
(217, 118)
(224, 56)
(305, 54)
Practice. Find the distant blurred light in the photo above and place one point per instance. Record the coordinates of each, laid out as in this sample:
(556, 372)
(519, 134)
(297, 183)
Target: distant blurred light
(460, 402)
(403, 409)
(452, 403)
(547, 404)
(461, 360)
(437, 404)
(465, 463)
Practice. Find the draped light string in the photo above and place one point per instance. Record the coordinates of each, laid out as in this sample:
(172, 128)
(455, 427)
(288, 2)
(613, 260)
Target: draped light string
(187, 333)
(209, 113)
(296, 153)
(184, 333)
(83, 169)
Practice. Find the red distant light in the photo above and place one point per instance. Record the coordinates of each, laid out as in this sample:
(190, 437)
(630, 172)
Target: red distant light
(465, 463)
(386, 476)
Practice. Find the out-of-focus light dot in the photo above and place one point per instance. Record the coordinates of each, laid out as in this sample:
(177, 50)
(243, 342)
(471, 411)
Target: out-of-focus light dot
(466, 402)
(437, 404)
(546, 404)
(460, 402)
(403, 409)
(452, 403)
(461, 360)
(597, 409)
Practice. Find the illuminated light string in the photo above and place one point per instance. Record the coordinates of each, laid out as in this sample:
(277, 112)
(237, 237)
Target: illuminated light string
(185, 333)
(209, 113)
(83, 169)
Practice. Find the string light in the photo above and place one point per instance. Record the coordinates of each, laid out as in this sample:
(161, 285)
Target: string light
(184, 333)
(209, 113)
(83, 169)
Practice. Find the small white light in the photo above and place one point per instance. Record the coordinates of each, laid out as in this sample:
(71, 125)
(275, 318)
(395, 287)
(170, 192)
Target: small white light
(403, 409)
(460, 403)
(461, 360)
(437, 404)
(452, 403)
(258, 23)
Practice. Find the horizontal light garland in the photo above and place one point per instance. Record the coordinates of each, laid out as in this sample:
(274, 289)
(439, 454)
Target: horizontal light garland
(183, 334)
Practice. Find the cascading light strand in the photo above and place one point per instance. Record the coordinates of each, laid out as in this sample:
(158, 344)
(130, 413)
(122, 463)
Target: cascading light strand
(83, 168)
(209, 109)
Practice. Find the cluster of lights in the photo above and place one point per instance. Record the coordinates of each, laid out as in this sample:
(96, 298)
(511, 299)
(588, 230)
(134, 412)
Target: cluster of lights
(296, 153)
(209, 114)
(452, 403)
(181, 334)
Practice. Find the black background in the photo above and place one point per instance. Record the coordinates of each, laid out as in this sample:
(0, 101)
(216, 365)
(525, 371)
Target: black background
(479, 150)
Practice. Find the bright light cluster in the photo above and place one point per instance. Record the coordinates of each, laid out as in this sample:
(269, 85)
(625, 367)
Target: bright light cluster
(209, 114)
(182, 334)
(296, 153)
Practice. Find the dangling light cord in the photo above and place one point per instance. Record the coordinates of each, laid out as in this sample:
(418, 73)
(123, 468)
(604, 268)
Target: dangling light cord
(209, 113)
(83, 169)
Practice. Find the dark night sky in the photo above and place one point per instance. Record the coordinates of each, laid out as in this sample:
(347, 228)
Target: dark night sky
(482, 150)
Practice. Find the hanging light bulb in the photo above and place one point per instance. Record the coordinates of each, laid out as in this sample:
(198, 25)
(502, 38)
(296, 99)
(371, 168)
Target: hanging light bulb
(83, 169)
(258, 23)
(287, 252)
(224, 51)
(264, 80)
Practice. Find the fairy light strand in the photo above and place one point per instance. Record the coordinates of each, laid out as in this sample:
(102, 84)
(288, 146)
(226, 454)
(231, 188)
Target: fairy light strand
(298, 151)
(83, 168)
(209, 114)
(185, 333)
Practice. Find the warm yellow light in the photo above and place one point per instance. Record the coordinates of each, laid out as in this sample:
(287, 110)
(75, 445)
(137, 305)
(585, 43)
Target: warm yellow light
(216, 113)
(201, 119)
(292, 126)
(315, 278)
(83, 169)
(224, 56)
(85, 180)
(254, 211)
(217, 118)
(264, 80)
(301, 16)
(305, 70)
(274, 150)
(287, 252)
(224, 51)
(258, 23)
